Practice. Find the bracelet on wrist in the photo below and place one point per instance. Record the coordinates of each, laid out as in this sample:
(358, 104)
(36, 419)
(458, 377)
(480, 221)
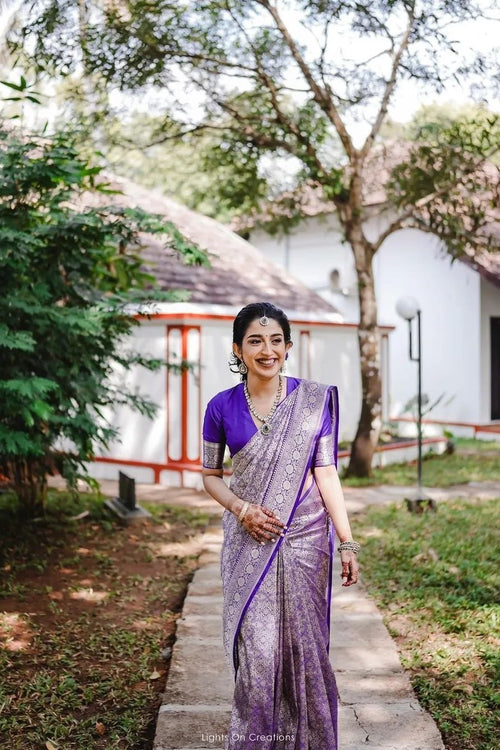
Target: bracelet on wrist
(350, 545)
(243, 511)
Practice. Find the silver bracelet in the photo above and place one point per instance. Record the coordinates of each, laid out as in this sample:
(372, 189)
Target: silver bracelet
(243, 510)
(350, 545)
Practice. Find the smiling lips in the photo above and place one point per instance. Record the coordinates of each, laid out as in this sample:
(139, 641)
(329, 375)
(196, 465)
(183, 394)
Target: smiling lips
(267, 362)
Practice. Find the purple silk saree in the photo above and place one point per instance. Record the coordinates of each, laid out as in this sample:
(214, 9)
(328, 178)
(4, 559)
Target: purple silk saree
(277, 595)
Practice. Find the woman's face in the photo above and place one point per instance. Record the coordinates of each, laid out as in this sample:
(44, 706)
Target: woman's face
(263, 348)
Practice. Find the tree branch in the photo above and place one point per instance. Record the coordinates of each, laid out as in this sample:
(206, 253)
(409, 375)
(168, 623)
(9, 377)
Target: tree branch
(249, 132)
(389, 89)
(286, 122)
(321, 95)
(401, 221)
(398, 223)
(125, 140)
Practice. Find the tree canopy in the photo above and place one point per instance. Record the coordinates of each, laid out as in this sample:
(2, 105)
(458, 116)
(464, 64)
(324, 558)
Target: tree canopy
(306, 85)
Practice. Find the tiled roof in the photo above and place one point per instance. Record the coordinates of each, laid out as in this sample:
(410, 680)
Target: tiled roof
(239, 273)
(486, 264)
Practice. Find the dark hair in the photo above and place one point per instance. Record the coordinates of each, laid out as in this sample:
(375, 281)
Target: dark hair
(246, 316)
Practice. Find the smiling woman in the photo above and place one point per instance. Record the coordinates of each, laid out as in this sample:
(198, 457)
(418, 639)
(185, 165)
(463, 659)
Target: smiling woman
(261, 357)
(282, 509)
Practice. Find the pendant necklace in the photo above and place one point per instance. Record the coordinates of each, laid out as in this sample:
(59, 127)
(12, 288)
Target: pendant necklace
(265, 429)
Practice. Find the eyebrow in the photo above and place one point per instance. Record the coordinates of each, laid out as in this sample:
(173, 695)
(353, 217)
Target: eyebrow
(260, 335)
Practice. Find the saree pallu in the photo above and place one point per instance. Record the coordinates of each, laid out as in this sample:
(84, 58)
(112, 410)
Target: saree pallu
(277, 595)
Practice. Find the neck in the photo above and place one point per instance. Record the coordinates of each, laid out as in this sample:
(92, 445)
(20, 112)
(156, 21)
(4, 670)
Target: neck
(262, 386)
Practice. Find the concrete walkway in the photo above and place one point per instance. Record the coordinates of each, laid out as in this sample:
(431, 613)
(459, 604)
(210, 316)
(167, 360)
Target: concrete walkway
(378, 709)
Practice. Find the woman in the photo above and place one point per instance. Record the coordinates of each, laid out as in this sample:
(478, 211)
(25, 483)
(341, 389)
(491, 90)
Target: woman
(276, 559)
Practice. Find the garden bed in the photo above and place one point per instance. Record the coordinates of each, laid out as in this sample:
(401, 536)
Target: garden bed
(87, 619)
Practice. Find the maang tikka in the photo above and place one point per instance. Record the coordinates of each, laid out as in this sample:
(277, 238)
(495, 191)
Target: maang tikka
(264, 321)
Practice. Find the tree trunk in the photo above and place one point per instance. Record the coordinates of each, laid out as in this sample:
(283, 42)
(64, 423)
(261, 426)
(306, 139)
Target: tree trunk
(366, 439)
(29, 482)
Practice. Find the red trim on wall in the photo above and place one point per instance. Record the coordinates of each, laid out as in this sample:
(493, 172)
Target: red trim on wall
(184, 459)
(397, 446)
(216, 316)
(184, 396)
(157, 468)
(476, 426)
(168, 390)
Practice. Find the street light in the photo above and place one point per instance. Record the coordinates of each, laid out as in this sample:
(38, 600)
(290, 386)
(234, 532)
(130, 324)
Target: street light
(408, 308)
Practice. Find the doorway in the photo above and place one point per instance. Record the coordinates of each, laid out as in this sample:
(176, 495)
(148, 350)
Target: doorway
(495, 367)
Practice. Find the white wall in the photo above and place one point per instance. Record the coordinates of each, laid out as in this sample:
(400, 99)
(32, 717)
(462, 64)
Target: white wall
(310, 252)
(490, 308)
(332, 358)
(142, 439)
(335, 360)
(410, 263)
(216, 347)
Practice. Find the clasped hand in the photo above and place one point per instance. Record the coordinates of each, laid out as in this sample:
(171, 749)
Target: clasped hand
(262, 524)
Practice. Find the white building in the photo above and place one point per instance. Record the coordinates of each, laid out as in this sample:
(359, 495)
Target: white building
(167, 449)
(460, 305)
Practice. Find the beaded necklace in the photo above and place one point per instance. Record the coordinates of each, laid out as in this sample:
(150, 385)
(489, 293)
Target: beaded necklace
(265, 429)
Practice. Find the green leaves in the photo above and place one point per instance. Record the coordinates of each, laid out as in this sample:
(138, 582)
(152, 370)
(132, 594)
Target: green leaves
(449, 180)
(69, 266)
(22, 340)
(27, 389)
(24, 91)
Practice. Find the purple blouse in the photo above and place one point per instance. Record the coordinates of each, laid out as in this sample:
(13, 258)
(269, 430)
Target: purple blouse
(228, 422)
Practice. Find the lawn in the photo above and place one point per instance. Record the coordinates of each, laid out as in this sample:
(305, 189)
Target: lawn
(87, 619)
(436, 578)
(472, 461)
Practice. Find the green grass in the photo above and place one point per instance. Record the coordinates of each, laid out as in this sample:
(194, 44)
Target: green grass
(62, 697)
(178, 514)
(80, 672)
(436, 579)
(474, 444)
(60, 506)
(473, 461)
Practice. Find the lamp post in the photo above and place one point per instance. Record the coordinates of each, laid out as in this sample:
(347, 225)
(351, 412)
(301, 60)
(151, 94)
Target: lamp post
(408, 308)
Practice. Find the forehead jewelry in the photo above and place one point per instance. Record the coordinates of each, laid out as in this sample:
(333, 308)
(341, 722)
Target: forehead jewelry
(264, 321)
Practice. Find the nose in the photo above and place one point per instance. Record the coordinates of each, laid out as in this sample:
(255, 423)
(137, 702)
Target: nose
(266, 347)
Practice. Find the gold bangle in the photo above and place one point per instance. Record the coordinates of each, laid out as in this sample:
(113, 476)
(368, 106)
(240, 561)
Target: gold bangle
(243, 511)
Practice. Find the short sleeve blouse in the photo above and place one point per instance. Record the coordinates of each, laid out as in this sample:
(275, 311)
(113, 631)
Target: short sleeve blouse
(228, 423)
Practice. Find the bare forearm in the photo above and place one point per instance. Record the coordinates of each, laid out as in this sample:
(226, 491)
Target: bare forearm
(218, 489)
(330, 488)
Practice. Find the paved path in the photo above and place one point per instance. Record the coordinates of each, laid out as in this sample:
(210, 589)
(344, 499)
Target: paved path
(378, 709)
